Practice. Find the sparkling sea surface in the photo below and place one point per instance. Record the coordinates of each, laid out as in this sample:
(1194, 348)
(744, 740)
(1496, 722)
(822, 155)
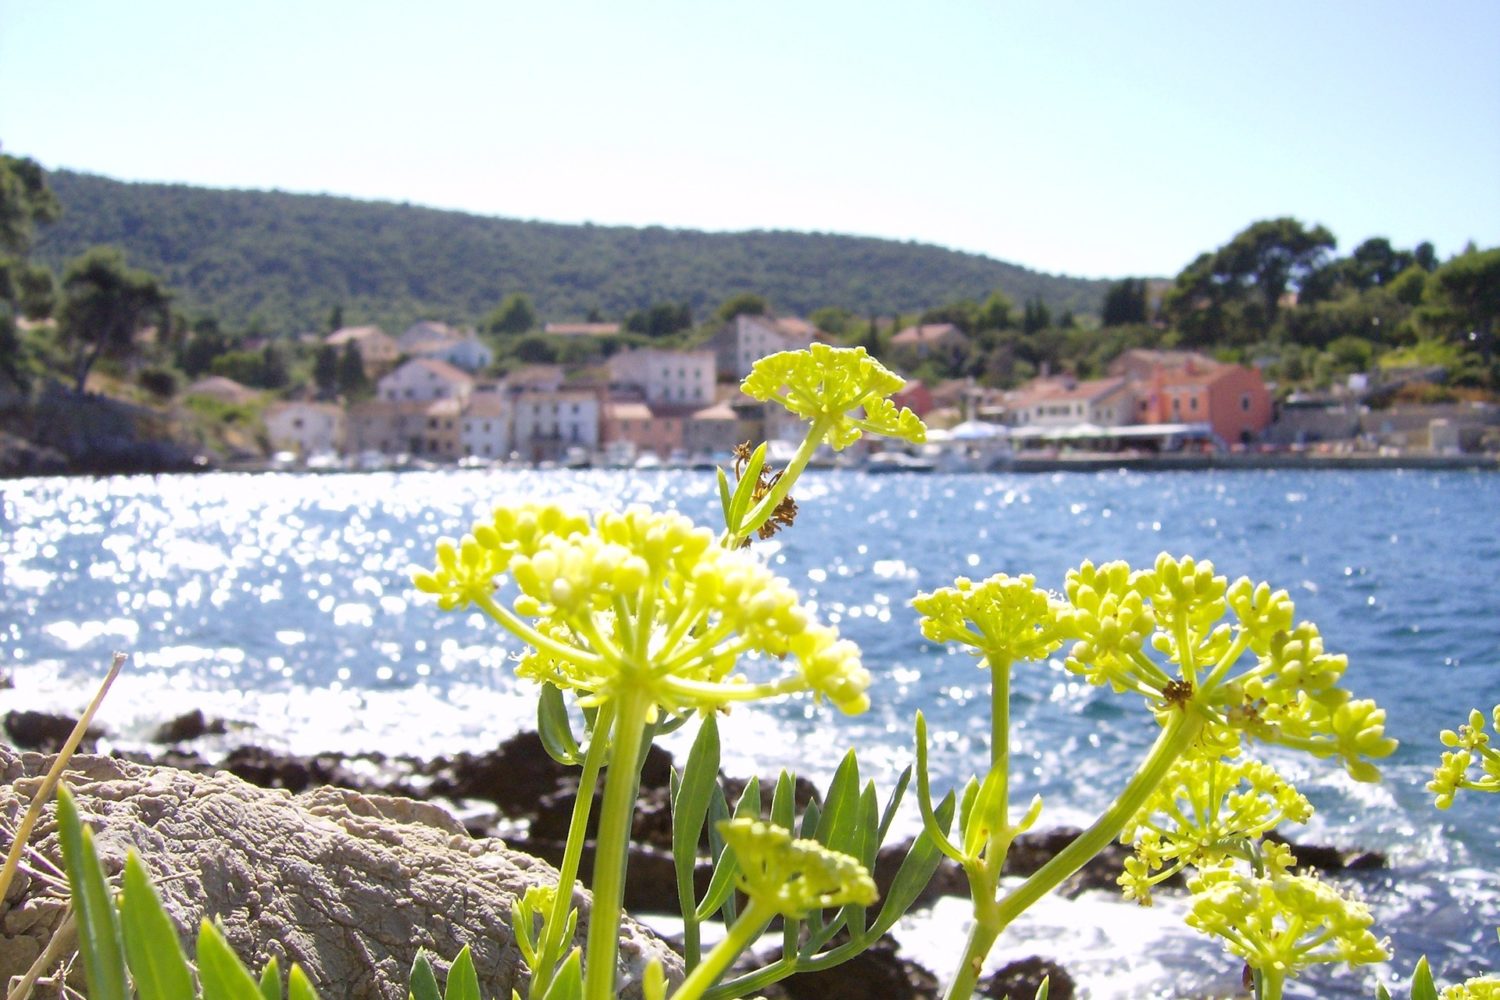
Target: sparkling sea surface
(281, 602)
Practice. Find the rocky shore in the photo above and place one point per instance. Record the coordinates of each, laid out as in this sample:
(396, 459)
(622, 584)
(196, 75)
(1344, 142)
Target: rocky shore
(518, 797)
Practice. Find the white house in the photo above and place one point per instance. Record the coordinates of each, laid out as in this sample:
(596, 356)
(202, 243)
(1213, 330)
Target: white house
(676, 377)
(424, 380)
(547, 423)
(1065, 402)
(485, 430)
(377, 349)
(306, 428)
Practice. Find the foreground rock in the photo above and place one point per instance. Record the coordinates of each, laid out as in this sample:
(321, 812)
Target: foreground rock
(347, 885)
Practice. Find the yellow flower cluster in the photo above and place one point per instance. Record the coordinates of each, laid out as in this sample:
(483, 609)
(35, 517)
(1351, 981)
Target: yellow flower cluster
(1281, 923)
(1200, 816)
(1005, 619)
(1485, 988)
(641, 601)
(794, 877)
(824, 385)
(1471, 743)
(1238, 658)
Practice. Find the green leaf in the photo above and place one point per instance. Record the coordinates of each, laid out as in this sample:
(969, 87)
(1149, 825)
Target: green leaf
(1044, 989)
(784, 801)
(810, 818)
(555, 728)
(1422, 986)
(983, 820)
(691, 792)
(893, 804)
(718, 811)
(463, 981)
(220, 972)
(836, 826)
(938, 831)
(744, 491)
(748, 805)
(724, 501)
(98, 923)
(915, 872)
(1381, 993)
(568, 983)
(422, 983)
(867, 832)
(270, 980)
(299, 987)
(152, 950)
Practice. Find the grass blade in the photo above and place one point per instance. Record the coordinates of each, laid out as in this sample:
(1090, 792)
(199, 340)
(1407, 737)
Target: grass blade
(270, 980)
(299, 987)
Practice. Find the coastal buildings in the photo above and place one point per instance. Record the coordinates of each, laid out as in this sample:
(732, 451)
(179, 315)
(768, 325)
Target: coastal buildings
(378, 350)
(306, 428)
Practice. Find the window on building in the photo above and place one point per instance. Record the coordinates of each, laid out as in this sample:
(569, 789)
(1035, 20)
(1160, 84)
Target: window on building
(1193, 403)
(1245, 402)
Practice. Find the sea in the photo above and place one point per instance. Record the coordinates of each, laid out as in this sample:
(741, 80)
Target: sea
(281, 602)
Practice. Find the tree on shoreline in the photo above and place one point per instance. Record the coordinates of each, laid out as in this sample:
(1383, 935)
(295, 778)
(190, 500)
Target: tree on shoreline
(106, 304)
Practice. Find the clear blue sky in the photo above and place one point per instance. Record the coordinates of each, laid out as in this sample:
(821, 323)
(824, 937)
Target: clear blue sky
(1095, 139)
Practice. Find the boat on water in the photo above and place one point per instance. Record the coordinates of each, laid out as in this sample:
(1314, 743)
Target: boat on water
(884, 462)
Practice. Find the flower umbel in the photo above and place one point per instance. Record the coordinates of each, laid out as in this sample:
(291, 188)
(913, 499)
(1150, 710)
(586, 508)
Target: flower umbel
(1280, 924)
(794, 876)
(826, 385)
(1470, 743)
(644, 601)
(1254, 674)
(1201, 816)
(1004, 618)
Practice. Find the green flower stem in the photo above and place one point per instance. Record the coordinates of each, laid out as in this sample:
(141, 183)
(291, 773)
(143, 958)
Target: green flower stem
(753, 921)
(518, 628)
(816, 432)
(1173, 741)
(1269, 984)
(611, 849)
(550, 953)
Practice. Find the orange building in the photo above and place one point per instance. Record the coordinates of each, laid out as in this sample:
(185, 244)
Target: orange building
(1192, 389)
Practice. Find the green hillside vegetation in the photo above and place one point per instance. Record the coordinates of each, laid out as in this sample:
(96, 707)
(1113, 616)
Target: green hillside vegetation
(280, 263)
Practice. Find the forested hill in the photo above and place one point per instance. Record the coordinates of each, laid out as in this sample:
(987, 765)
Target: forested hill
(284, 261)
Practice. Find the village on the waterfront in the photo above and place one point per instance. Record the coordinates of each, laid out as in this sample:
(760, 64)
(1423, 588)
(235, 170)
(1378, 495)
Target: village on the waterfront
(652, 408)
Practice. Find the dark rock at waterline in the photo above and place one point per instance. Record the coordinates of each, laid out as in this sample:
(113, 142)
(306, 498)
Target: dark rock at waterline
(189, 726)
(878, 972)
(1020, 981)
(1330, 859)
(45, 731)
(5, 682)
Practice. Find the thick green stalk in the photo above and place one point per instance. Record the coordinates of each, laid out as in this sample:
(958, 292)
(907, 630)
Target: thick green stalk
(741, 935)
(551, 951)
(1170, 745)
(611, 848)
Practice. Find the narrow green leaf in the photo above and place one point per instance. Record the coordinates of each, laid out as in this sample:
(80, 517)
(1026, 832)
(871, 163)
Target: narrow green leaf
(555, 728)
(744, 491)
(299, 987)
(568, 983)
(867, 830)
(1044, 989)
(784, 801)
(1422, 986)
(152, 950)
(720, 886)
(221, 974)
(724, 501)
(1381, 993)
(463, 981)
(718, 811)
(893, 804)
(810, 818)
(915, 872)
(983, 820)
(938, 832)
(270, 981)
(748, 806)
(98, 923)
(691, 791)
(836, 827)
(423, 984)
